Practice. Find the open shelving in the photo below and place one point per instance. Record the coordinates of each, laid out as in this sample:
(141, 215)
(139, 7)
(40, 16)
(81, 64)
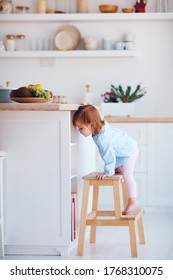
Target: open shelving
(77, 17)
(86, 17)
(68, 54)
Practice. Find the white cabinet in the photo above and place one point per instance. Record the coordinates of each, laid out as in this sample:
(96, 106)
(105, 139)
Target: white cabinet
(160, 155)
(40, 174)
(138, 132)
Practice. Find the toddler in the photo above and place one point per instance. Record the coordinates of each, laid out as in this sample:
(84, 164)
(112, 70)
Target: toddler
(117, 149)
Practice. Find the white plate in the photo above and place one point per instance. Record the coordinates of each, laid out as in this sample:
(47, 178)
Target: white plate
(73, 29)
(64, 40)
(67, 38)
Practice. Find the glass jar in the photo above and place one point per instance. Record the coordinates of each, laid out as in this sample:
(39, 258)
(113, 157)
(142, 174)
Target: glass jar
(20, 42)
(6, 7)
(63, 99)
(82, 6)
(10, 42)
(51, 7)
(41, 6)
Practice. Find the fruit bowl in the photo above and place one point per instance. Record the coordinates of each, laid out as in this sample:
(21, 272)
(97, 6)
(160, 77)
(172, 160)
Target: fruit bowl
(108, 8)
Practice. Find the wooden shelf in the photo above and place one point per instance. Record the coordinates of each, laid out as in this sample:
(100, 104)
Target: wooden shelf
(68, 54)
(85, 17)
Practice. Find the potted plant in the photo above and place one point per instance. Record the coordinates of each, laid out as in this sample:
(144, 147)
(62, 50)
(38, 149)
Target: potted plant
(119, 101)
(140, 6)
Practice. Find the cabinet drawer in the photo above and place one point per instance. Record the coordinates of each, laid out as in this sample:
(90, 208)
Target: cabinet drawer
(135, 130)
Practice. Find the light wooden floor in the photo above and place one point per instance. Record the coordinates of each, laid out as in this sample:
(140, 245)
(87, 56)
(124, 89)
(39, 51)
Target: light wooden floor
(113, 243)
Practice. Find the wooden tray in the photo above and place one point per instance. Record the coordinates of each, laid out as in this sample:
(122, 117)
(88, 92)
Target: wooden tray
(30, 99)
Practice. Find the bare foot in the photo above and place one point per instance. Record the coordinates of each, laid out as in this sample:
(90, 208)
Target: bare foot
(132, 205)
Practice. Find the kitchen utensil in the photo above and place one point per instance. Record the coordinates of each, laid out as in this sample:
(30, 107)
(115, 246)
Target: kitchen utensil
(22, 9)
(73, 29)
(107, 43)
(64, 40)
(119, 45)
(90, 43)
(82, 6)
(6, 7)
(5, 94)
(67, 38)
(129, 45)
(108, 8)
(10, 42)
(41, 6)
(129, 37)
(127, 10)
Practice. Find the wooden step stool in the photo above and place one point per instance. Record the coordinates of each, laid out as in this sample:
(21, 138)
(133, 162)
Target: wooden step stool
(92, 220)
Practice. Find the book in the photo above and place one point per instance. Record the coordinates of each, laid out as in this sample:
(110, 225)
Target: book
(73, 216)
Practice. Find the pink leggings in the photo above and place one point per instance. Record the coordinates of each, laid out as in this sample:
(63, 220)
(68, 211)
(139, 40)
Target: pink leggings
(128, 170)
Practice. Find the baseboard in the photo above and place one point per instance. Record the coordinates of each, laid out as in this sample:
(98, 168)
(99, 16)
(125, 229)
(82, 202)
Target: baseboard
(40, 250)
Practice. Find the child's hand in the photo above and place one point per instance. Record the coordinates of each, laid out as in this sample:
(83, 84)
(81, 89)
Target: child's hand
(101, 176)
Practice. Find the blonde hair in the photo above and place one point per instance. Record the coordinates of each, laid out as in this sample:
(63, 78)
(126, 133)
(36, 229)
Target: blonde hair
(88, 114)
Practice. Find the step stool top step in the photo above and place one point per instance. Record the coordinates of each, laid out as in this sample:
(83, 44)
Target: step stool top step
(92, 176)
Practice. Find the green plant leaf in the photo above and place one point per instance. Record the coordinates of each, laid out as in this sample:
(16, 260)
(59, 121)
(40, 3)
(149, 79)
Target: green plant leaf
(128, 91)
(119, 94)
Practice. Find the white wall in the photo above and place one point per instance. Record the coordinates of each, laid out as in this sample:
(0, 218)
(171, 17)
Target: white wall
(154, 68)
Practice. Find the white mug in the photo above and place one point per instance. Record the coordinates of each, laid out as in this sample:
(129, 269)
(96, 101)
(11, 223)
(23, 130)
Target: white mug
(119, 45)
(129, 45)
(107, 44)
(129, 37)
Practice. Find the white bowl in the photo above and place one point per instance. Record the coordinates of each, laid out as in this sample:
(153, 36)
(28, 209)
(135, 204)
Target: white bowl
(90, 43)
(91, 46)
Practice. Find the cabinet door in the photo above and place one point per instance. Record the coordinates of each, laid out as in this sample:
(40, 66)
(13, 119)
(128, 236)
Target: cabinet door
(160, 155)
(141, 180)
(138, 132)
(37, 178)
(135, 130)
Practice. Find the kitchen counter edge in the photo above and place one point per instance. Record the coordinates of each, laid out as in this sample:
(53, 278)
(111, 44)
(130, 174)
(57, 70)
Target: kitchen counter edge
(139, 120)
(38, 107)
(74, 107)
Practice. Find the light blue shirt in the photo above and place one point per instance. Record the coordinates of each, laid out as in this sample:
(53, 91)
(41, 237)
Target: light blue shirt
(115, 147)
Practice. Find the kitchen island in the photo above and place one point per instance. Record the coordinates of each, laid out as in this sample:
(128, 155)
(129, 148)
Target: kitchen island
(41, 170)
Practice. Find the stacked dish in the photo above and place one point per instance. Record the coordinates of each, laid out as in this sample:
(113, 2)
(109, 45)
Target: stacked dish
(67, 38)
(90, 43)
